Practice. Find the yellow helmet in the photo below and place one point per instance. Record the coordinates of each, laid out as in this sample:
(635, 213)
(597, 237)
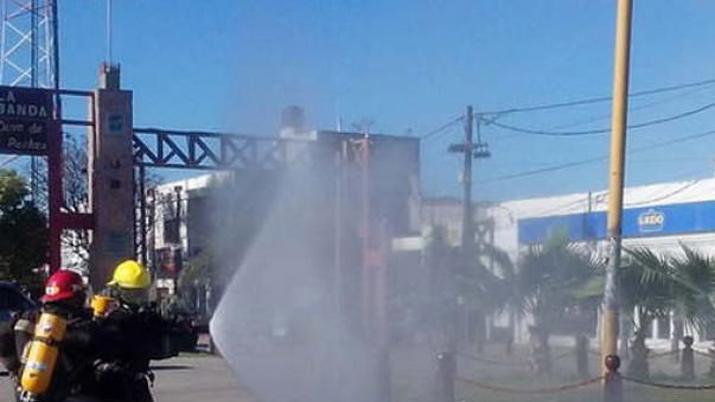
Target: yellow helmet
(131, 274)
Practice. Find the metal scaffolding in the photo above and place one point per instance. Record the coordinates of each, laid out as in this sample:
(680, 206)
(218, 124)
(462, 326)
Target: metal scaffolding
(29, 55)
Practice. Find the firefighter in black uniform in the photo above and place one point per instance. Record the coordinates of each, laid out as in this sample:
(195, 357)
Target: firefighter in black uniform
(137, 334)
(104, 355)
(65, 296)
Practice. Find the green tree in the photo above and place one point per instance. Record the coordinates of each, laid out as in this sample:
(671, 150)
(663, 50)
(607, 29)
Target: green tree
(485, 284)
(482, 283)
(23, 233)
(440, 305)
(196, 269)
(76, 243)
(195, 276)
(645, 296)
(653, 286)
(695, 283)
(552, 278)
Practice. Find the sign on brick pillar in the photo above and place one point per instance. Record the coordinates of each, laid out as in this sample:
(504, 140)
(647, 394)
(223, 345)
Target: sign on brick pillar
(111, 178)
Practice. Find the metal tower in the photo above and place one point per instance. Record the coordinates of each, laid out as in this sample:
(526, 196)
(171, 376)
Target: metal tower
(28, 52)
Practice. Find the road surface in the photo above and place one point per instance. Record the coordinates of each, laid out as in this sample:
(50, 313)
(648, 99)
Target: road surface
(185, 379)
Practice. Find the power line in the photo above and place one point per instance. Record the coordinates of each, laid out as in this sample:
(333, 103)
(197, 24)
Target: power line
(601, 158)
(608, 115)
(630, 109)
(588, 101)
(665, 196)
(665, 161)
(498, 113)
(543, 170)
(662, 120)
(551, 211)
(646, 161)
(441, 128)
(658, 198)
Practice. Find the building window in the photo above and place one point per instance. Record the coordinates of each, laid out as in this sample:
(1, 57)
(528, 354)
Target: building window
(170, 262)
(171, 231)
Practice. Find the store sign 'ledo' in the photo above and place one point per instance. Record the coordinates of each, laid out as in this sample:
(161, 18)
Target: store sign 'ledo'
(651, 220)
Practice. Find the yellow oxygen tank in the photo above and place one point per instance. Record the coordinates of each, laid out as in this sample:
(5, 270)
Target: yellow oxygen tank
(42, 355)
(101, 305)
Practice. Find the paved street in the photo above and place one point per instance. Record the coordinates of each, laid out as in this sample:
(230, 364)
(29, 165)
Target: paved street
(186, 379)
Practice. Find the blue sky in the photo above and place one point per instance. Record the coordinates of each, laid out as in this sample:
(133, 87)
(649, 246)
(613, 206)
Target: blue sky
(413, 65)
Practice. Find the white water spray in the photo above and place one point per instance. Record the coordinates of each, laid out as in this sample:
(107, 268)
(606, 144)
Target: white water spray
(277, 324)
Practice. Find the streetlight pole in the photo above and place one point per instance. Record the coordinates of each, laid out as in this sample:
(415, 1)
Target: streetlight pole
(609, 338)
(178, 254)
(467, 223)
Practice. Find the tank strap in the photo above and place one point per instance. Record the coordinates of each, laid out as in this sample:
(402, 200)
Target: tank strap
(46, 340)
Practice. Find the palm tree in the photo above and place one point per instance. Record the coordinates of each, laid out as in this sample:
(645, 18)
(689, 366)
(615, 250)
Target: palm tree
(694, 275)
(485, 284)
(482, 282)
(653, 286)
(645, 296)
(552, 278)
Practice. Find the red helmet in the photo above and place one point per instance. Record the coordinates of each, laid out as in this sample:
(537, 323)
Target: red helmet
(63, 285)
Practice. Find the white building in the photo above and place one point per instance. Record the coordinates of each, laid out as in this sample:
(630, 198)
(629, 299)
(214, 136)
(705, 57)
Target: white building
(658, 216)
(446, 212)
(179, 212)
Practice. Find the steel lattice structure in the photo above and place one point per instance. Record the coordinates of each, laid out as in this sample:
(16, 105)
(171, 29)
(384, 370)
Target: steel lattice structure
(154, 147)
(202, 150)
(28, 42)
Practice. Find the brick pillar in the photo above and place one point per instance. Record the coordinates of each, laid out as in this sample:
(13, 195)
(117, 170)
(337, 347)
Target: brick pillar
(111, 177)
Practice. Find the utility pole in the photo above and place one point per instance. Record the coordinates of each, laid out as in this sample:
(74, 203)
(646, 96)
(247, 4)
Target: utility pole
(467, 217)
(467, 224)
(340, 160)
(466, 148)
(374, 274)
(367, 249)
(470, 150)
(609, 339)
(177, 253)
(142, 227)
(151, 231)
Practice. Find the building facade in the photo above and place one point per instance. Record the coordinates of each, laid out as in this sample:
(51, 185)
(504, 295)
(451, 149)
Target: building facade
(661, 217)
(219, 215)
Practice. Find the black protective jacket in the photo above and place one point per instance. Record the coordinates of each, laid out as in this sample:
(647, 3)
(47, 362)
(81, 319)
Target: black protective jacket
(132, 336)
(104, 359)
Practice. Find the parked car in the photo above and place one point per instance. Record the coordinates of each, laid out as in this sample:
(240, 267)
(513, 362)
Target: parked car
(13, 301)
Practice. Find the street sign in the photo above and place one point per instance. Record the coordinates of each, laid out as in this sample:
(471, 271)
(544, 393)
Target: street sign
(25, 114)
